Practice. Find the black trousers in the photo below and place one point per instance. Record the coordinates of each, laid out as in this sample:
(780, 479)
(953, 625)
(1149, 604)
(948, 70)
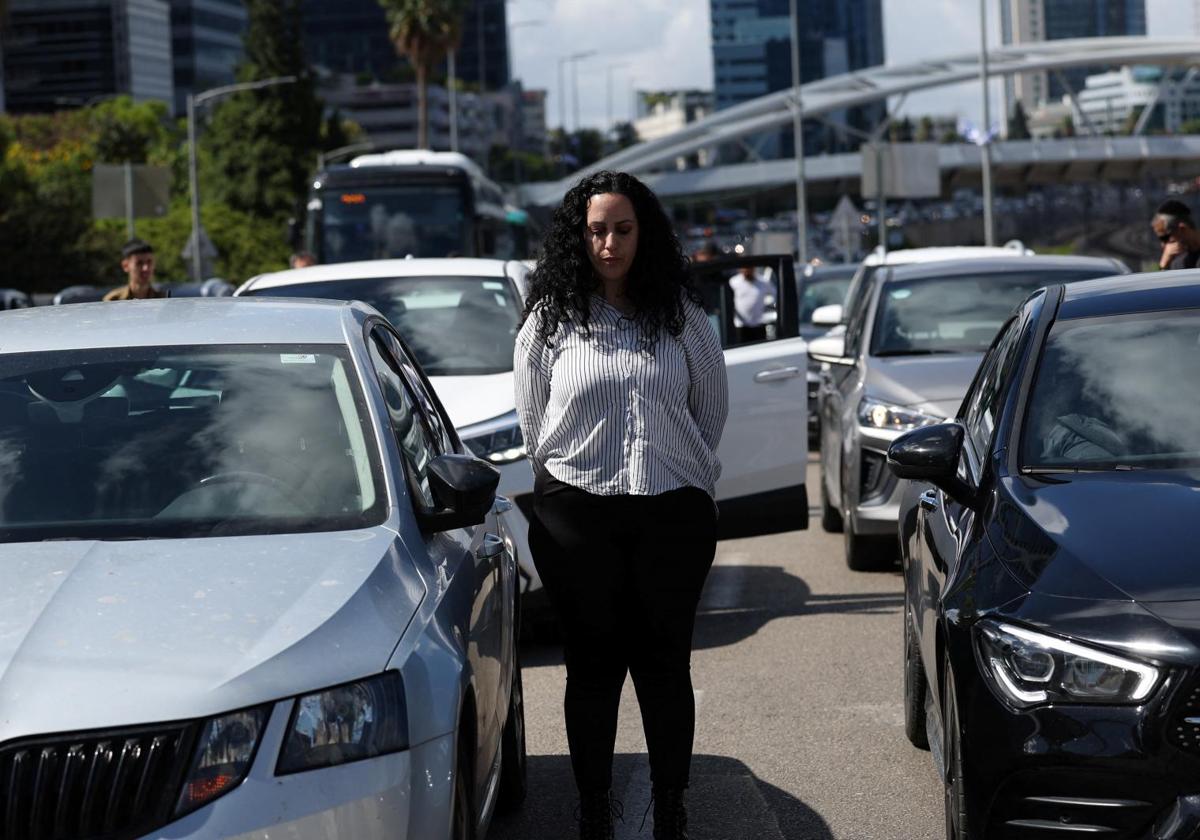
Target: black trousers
(624, 574)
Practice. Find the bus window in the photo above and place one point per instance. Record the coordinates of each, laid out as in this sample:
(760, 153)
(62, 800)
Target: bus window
(423, 220)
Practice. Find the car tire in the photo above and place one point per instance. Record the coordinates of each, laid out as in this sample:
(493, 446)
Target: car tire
(462, 819)
(514, 760)
(866, 554)
(831, 518)
(956, 795)
(916, 688)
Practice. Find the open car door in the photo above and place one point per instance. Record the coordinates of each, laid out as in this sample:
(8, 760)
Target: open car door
(764, 450)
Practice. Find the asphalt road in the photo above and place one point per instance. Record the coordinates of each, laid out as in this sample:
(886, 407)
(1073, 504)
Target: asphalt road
(797, 671)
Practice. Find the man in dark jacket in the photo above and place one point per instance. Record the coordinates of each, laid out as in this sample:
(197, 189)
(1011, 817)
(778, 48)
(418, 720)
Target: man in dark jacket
(1177, 232)
(137, 261)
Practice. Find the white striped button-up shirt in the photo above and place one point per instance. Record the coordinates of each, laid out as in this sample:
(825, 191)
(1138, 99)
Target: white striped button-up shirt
(604, 415)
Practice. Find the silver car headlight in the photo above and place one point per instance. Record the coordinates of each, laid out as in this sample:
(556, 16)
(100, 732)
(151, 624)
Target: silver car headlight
(881, 415)
(222, 758)
(1025, 668)
(346, 723)
(498, 441)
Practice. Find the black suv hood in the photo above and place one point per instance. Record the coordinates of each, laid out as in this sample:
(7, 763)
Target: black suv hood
(1108, 557)
(1130, 535)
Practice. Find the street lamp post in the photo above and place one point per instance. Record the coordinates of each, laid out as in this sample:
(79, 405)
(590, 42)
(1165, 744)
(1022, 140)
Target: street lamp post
(452, 92)
(575, 59)
(609, 126)
(194, 100)
(985, 148)
(798, 141)
(562, 93)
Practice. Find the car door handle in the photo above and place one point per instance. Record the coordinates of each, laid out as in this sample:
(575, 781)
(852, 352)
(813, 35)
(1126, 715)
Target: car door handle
(928, 500)
(778, 374)
(492, 548)
(501, 505)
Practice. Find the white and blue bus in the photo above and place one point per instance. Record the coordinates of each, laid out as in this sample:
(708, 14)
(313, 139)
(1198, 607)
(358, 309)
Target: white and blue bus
(412, 203)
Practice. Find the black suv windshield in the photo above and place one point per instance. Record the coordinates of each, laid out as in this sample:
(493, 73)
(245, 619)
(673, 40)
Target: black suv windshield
(184, 442)
(1116, 392)
(456, 326)
(954, 314)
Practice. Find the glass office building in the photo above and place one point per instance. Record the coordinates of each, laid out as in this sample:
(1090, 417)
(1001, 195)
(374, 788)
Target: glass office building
(206, 41)
(351, 37)
(1025, 21)
(752, 51)
(1089, 19)
(65, 53)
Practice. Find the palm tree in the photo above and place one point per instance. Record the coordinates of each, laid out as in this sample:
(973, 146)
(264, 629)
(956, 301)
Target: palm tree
(424, 31)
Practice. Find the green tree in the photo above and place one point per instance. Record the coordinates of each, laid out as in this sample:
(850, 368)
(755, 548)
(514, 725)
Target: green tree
(1018, 123)
(129, 131)
(424, 31)
(625, 135)
(901, 131)
(925, 130)
(512, 166)
(261, 146)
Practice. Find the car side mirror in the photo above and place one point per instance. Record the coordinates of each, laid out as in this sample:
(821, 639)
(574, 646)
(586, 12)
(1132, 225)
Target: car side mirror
(829, 315)
(829, 348)
(931, 454)
(464, 490)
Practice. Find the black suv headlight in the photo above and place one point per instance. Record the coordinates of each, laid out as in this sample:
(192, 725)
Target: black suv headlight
(1026, 668)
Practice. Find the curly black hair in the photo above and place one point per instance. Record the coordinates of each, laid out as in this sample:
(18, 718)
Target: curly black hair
(561, 286)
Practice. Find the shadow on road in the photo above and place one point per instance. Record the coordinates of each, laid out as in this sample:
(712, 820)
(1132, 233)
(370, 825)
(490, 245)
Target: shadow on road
(726, 802)
(739, 601)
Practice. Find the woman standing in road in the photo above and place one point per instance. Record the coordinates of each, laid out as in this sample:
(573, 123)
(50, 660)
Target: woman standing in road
(622, 396)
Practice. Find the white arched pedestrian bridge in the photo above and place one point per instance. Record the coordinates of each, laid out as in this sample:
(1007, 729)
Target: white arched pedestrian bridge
(826, 96)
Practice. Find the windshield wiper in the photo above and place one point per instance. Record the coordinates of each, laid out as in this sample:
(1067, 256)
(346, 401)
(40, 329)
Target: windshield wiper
(918, 351)
(1081, 468)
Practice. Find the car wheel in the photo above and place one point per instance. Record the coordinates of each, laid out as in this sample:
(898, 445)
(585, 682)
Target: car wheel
(915, 688)
(512, 750)
(463, 818)
(831, 518)
(866, 554)
(957, 822)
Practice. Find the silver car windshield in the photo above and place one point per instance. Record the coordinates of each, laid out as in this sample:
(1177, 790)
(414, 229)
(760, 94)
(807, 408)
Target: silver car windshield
(184, 442)
(956, 314)
(456, 326)
(1116, 392)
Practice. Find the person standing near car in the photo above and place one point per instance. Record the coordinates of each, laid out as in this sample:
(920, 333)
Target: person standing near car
(137, 261)
(1173, 226)
(751, 293)
(622, 396)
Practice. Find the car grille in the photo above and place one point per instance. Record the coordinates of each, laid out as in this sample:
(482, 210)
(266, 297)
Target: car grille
(113, 784)
(1183, 730)
(1047, 803)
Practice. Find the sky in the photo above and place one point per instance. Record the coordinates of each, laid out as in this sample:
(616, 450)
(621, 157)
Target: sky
(664, 44)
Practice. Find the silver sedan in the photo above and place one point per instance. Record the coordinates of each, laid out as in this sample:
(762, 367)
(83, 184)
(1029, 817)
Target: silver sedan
(253, 584)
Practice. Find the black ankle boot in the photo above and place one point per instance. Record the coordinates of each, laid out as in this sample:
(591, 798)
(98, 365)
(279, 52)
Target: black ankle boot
(670, 814)
(596, 812)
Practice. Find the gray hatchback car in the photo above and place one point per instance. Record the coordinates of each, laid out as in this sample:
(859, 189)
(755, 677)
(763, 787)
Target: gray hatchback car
(914, 337)
(253, 584)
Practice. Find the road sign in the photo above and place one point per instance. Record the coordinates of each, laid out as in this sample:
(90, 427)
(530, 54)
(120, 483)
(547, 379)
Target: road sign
(907, 170)
(845, 224)
(208, 253)
(130, 190)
